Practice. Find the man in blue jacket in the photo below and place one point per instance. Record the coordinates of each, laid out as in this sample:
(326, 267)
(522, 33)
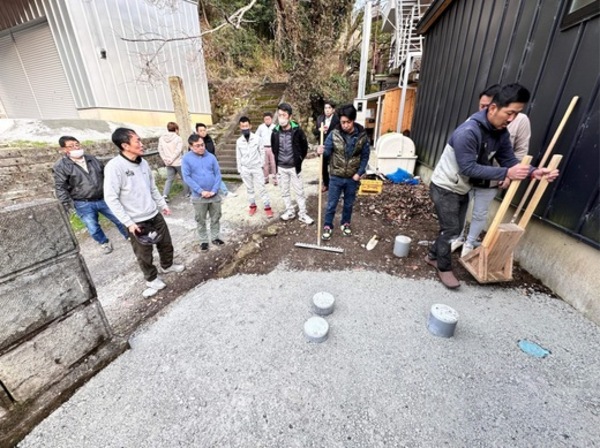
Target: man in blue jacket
(201, 172)
(468, 156)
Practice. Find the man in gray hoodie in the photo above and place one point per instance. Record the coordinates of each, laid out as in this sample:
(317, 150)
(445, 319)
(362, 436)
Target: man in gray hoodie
(468, 156)
(131, 194)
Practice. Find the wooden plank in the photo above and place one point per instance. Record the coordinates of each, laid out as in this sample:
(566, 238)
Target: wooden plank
(501, 252)
(512, 190)
(539, 192)
(391, 106)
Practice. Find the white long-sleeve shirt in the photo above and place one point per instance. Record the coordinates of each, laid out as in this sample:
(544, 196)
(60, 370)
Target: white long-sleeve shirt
(249, 154)
(264, 134)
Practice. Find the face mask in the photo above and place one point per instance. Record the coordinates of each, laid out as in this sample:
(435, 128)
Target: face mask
(76, 153)
(246, 133)
(283, 122)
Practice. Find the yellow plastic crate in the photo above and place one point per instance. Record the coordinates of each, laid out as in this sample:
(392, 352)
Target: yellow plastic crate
(370, 187)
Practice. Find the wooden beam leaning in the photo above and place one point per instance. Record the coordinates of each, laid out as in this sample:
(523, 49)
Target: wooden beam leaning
(547, 153)
(512, 190)
(539, 192)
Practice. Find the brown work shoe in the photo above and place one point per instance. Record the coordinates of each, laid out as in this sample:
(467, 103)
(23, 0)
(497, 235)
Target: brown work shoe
(430, 261)
(448, 279)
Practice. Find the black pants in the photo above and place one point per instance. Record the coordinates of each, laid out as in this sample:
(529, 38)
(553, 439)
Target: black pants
(451, 209)
(143, 253)
(325, 171)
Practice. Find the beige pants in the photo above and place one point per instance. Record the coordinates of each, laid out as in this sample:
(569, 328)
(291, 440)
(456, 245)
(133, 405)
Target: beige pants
(289, 180)
(270, 167)
(253, 177)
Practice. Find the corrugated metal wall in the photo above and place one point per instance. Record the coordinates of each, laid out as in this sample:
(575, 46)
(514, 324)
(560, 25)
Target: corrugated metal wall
(475, 44)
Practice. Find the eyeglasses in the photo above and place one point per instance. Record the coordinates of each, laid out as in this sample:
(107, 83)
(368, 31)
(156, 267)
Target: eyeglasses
(72, 146)
(197, 145)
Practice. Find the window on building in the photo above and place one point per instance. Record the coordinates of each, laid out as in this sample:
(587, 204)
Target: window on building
(579, 11)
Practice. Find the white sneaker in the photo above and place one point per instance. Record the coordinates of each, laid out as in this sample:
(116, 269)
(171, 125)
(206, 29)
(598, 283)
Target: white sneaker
(305, 219)
(288, 215)
(148, 292)
(231, 194)
(107, 247)
(466, 249)
(177, 268)
(157, 284)
(456, 243)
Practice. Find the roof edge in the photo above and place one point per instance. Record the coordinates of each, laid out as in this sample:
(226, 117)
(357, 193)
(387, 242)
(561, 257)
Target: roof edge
(433, 13)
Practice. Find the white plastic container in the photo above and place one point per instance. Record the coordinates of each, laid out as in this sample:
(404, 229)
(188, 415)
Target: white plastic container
(393, 151)
(402, 246)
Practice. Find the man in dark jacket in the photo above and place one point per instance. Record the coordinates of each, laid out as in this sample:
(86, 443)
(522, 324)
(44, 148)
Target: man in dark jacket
(330, 121)
(78, 181)
(348, 151)
(289, 145)
(467, 158)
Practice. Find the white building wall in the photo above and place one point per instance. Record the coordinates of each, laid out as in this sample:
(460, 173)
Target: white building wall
(115, 70)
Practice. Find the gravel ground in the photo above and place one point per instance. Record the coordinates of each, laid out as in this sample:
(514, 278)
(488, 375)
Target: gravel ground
(227, 365)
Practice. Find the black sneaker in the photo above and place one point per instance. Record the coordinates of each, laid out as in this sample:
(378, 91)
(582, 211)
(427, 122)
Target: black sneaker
(204, 246)
(218, 242)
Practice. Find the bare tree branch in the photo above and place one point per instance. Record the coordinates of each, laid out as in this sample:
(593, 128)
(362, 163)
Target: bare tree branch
(234, 20)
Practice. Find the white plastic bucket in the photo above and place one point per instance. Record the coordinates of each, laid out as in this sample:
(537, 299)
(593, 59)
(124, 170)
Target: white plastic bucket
(402, 246)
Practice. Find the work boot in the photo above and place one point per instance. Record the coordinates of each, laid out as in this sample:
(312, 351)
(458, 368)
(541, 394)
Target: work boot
(430, 261)
(448, 279)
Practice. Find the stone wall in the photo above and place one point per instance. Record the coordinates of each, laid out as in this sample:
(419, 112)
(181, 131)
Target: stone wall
(53, 332)
(26, 172)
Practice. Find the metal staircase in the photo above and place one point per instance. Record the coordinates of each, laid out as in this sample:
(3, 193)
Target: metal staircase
(401, 18)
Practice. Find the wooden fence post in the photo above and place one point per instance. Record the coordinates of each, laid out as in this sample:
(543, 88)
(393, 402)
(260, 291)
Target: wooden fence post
(180, 105)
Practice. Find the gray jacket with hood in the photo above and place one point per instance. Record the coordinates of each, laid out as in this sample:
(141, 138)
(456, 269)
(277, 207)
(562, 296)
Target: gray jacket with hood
(459, 160)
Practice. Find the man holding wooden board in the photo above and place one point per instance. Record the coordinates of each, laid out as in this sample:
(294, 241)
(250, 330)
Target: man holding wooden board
(468, 158)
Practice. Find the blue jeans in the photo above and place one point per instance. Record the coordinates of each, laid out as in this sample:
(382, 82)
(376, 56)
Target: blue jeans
(88, 213)
(337, 186)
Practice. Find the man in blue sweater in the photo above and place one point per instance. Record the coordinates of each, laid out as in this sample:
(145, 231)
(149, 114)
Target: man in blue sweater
(201, 172)
(468, 156)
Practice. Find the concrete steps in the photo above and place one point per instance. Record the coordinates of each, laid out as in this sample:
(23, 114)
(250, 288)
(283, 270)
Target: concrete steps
(263, 100)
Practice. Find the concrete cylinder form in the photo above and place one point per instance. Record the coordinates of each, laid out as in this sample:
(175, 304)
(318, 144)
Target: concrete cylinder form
(323, 303)
(442, 321)
(402, 246)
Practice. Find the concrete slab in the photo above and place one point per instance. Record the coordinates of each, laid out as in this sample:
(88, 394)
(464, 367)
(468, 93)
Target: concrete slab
(228, 365)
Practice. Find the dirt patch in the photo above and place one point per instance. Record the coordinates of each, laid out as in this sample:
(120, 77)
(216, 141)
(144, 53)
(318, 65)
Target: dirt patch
(251, 249)
(398, 210)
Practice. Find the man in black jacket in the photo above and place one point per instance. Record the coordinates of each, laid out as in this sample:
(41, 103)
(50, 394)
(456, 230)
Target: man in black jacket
(289, 145)
(78, 181)
(330, 121)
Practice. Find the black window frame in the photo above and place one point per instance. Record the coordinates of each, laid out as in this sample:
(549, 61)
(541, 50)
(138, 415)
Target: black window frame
(582, 14)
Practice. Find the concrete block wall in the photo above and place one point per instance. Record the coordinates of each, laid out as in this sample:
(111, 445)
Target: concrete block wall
(51, 321)
(26, 172)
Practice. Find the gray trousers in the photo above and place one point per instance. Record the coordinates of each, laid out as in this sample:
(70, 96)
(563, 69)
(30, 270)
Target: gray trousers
(172, 171)
(205, 212)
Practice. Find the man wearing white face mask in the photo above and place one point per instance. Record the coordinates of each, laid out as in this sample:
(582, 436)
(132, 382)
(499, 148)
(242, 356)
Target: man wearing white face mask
(78, 181)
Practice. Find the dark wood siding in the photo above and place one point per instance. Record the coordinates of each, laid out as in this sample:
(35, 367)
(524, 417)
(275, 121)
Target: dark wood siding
(474, 44)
